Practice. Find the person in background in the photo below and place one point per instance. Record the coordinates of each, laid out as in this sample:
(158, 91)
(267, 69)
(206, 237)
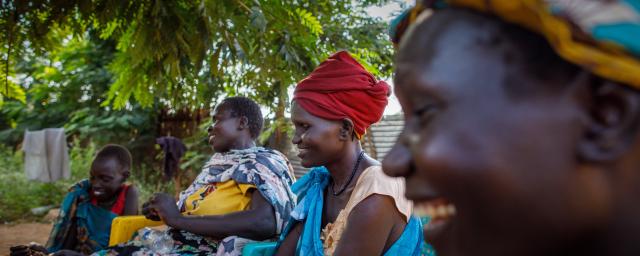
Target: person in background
(84, 223)
(242, 194)
(347, 205)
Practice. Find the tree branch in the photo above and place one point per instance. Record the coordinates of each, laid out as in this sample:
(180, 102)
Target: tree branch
(244, 6)
(9, 48)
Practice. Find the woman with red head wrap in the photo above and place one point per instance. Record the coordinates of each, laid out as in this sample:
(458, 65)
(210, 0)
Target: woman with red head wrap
(341, 88)
(346, 205)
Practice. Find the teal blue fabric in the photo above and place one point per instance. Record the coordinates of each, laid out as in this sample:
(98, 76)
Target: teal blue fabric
(259, 249)
(411, 241)
(310, 192)
(624, 34)
(395, 23)
(92, 223)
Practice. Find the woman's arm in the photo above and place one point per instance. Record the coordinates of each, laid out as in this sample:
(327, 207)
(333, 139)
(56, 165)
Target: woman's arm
(131, 201)
(373, 225)
(288, 246)
(257, 223)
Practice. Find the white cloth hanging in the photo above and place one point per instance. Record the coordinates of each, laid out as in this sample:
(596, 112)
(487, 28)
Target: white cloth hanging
(46, 155)
(35, 155)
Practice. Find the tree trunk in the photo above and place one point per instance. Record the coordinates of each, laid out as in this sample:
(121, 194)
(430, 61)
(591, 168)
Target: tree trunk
(281, 140)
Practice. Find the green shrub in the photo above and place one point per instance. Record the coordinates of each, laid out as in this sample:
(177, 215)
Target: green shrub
(149, 181)
(18, 194)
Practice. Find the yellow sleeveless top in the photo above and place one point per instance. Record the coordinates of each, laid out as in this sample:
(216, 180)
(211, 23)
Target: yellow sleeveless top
(219, 198)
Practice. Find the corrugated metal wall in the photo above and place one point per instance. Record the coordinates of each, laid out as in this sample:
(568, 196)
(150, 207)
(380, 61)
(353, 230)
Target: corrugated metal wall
(384, 134)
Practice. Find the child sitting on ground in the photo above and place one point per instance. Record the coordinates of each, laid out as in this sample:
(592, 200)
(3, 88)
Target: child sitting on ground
(84, 223)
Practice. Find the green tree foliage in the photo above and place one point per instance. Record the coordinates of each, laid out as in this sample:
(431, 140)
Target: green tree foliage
(65, 87)
(188, 52)
(104, 69)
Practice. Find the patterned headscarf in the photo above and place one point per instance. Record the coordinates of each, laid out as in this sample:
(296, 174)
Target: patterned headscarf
(600, 36)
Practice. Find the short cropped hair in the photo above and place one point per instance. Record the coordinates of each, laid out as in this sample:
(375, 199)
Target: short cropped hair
(117, 152)
(243, 106)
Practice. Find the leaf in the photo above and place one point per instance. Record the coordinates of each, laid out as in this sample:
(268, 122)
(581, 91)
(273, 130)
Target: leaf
(11, 90)
(108, 30)
(175, 54)
(123, 121)
(310, 21)
(258, 20)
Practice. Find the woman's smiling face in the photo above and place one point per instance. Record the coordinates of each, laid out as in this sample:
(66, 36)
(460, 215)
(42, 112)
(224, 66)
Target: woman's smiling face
(317, 139)
(496, 172)
(106, 178)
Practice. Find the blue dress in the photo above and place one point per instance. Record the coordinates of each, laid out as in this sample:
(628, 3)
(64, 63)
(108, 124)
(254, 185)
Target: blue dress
(92, 223)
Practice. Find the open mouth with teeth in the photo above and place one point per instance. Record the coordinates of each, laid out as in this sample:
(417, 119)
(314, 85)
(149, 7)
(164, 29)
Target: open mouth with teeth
(98, 193)
(439, 213)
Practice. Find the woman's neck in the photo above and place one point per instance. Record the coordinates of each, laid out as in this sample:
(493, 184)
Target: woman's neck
(342, 169)
(243, 144)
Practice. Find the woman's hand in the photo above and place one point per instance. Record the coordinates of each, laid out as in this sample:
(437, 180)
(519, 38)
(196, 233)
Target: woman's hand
(148, 212)
(30, 249)
(165, 207)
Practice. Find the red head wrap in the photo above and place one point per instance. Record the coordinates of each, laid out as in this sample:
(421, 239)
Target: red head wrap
(341, 88)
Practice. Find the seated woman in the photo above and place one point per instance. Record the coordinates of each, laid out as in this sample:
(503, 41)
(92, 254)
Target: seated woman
(242, 194)
(87, 210)
(524, 116)
(346, 204)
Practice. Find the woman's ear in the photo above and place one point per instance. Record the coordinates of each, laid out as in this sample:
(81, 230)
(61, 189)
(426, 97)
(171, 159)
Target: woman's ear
(612, 121)
(126, 174)
(243, 123)
(346, 131)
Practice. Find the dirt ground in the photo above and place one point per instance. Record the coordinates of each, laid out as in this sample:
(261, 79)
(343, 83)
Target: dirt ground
(22, 233)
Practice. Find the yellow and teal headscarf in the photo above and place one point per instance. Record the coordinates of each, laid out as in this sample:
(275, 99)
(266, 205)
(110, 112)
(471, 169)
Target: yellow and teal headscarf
(600, 36)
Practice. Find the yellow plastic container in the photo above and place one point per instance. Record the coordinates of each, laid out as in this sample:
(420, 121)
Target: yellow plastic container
(122, 228)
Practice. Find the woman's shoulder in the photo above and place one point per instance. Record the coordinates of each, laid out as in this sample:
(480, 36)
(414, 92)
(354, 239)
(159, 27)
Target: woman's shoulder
(132, 190)
(129, 200)
(374, 175)
(374, 181)
(129, 193)
(274, 160)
